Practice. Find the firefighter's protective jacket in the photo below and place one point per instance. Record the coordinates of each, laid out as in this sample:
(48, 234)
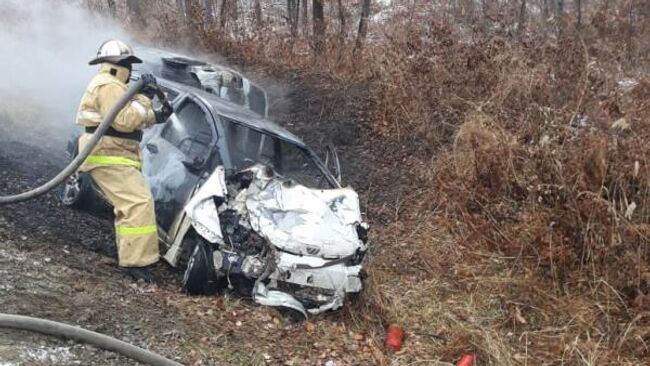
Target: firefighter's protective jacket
(101, 95)
(115, 164)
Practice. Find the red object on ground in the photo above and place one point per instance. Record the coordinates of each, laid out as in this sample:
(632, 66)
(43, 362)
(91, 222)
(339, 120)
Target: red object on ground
(394, 337)
(467, 360)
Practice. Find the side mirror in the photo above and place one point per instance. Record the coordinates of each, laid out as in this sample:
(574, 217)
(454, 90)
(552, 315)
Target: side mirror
(332, 162)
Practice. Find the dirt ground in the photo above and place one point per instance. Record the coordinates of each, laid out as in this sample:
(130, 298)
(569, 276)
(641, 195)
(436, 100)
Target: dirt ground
(60, 264)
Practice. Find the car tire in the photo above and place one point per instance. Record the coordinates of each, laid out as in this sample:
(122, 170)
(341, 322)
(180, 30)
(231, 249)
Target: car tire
(199, 273)
(291, 316)
(75, 190)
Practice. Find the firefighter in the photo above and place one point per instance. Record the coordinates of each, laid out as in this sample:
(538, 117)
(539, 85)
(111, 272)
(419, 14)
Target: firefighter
(116, 161)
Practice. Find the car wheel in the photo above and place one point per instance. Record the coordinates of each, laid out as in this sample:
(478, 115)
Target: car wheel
(291, 316)
(74, 190)
(199, 272)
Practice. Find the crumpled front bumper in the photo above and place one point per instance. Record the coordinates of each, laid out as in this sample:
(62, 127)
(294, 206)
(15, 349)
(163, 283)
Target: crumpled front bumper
(335, 277)
(315, 235)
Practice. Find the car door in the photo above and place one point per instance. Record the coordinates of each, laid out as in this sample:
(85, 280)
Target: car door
(176, 155)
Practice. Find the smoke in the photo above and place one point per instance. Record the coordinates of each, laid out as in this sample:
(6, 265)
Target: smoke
(45, 47)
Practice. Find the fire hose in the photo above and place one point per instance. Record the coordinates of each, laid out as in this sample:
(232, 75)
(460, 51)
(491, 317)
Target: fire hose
(66, 331)
(83, 154)
(63, 330)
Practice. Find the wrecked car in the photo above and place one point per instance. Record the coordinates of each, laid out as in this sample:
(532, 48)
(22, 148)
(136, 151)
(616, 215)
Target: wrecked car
(240, 201)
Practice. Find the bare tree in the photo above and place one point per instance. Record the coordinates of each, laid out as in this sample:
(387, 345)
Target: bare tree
(184, 8)
(198, 16)
(559, 15)
(133, 7)
(629, 33)
(208, 11)
(342, 21)
(257, 14)
(363, 23)
(293, 10)
(223, 12)
(560, 8)
(319, 26)
(305, 17)
(111, 8)
(233, 10)
(135, 11)
(522, 18)
(579, 12)
(343, 30)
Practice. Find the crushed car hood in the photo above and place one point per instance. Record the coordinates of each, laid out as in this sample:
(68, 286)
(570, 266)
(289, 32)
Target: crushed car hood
(292, 217)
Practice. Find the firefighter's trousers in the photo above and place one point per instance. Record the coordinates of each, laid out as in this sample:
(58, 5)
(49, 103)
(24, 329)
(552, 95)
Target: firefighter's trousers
(114, 165)
(135, 221)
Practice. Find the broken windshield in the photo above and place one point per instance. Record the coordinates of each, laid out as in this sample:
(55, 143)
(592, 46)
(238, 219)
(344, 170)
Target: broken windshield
(248, 146)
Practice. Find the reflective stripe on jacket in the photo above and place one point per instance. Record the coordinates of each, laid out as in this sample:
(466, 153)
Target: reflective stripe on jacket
(113, 161)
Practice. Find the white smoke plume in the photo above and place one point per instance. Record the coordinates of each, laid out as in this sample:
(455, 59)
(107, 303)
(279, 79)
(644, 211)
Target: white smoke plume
(45, 46)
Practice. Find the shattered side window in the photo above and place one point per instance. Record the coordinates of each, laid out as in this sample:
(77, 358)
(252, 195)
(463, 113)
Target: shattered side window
(189, 130)
(293, 162)
(244, 144)
(257, 100)
(248, 147)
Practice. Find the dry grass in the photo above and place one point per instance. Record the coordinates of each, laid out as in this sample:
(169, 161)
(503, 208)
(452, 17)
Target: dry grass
(535, 252)
(525, 239)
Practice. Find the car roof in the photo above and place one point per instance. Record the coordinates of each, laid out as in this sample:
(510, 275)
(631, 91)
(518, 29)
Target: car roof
(153, 62)
(243, 115)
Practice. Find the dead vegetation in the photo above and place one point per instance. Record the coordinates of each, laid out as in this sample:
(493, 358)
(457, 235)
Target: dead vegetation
(524, 235)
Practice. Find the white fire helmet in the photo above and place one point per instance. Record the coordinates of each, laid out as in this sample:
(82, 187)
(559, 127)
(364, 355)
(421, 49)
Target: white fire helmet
(115, 52)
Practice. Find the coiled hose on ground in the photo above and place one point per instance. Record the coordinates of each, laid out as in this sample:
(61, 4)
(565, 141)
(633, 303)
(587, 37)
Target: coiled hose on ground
(62, 330)
(79, 159)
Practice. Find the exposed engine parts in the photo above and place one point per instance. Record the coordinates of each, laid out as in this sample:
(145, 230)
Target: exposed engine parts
(300, 248)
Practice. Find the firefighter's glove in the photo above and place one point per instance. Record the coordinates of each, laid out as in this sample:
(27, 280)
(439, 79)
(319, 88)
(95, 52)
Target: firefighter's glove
(150, 85)
(149, 80)
(163, 113)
